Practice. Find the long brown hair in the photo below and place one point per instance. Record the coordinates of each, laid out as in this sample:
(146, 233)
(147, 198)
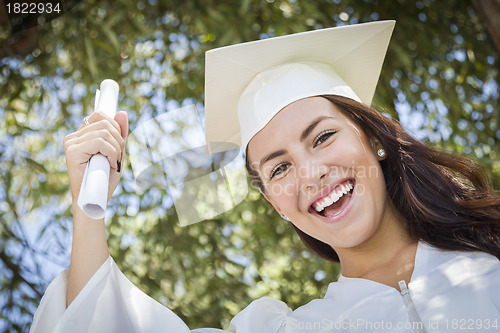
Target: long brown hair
(444, 199)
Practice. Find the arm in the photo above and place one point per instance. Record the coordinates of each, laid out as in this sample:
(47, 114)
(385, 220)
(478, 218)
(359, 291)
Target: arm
(90, 249)
(109, 301)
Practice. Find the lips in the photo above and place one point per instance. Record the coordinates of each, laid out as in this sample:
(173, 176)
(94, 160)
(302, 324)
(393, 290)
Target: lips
(333, 201)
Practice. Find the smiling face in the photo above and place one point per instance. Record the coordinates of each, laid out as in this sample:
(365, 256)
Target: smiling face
(321, 170)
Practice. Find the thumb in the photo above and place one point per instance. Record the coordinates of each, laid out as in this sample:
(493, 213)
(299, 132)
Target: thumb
(121, 118)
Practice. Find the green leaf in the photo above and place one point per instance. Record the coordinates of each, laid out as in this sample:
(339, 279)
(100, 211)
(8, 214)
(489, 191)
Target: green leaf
(91, 59)
(111, 36)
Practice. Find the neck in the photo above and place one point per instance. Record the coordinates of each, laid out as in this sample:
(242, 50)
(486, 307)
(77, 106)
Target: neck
(389, 252)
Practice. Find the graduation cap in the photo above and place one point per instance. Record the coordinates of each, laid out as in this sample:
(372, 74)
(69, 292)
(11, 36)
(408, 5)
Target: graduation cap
(247, 84)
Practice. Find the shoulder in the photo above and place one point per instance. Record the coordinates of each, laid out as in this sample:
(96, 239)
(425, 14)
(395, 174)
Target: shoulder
(460, 267)
(265, 314)
(465, 277)
(268, 315)
(457, 284)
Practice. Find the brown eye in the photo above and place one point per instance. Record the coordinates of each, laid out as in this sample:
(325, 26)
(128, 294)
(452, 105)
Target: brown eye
(280, 168)
(323, 136)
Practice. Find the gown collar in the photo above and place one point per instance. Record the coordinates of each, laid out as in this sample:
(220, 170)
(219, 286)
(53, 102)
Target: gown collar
(427, 258)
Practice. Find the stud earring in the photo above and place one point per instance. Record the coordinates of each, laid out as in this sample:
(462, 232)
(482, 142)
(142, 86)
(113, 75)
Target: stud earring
(381, 153)
(283, 216)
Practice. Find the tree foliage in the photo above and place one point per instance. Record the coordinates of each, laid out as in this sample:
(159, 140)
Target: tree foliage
(440, 79)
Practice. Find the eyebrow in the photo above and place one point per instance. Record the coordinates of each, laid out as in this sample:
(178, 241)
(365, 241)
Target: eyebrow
(273, 155)
(304, 135)
(311, 127)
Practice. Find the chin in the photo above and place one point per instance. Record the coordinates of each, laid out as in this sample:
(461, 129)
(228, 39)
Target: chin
(351, 235)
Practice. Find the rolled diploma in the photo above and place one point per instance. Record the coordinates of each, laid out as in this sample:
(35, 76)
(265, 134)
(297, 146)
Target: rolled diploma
(93, 195)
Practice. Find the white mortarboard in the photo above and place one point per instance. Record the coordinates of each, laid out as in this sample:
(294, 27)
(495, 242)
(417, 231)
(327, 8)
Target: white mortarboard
(247, 84)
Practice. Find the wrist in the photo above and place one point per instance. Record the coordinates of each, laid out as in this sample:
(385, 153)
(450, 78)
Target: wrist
(80, 215)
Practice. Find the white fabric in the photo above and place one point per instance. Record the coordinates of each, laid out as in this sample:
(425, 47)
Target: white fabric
(451, 291)
(275, 88)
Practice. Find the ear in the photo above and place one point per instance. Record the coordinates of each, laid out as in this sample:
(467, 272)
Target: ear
(276, 208)
(376, 146)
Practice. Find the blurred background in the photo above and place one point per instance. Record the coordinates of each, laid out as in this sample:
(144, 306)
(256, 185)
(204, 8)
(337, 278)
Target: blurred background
(440, 80)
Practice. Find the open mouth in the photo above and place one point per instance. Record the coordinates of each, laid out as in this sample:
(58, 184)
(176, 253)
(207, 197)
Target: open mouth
(334, 202)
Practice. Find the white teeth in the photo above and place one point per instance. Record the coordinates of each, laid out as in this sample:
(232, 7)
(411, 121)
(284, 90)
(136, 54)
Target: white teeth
(333, 197)
(344, 189)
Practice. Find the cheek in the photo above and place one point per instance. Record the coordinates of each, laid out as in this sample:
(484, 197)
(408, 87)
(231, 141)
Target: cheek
(372, 193)
(370, 183)
(352, 144)
(283, 191)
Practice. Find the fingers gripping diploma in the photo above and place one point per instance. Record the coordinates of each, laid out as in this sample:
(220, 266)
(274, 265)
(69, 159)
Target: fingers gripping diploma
(102, 138)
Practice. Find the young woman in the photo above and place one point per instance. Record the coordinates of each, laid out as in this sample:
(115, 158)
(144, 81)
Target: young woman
(416, 231)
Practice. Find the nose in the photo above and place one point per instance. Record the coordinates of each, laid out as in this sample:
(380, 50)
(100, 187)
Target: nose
(312, 175)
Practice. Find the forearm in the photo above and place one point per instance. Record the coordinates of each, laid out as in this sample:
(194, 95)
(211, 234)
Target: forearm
(100, 135)
(89, 251)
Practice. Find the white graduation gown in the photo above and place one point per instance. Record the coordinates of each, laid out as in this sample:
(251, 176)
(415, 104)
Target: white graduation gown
(448, 292)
